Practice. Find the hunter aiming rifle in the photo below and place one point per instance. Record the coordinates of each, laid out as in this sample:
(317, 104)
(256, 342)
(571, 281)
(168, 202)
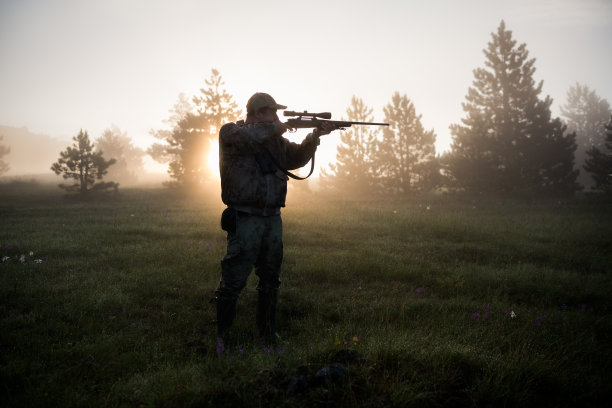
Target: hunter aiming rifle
(309, 120)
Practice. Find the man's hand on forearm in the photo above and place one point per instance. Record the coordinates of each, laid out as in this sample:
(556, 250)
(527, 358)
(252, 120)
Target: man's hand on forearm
(325, 129)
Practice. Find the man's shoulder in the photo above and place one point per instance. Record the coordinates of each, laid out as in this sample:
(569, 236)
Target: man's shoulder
(231, 127)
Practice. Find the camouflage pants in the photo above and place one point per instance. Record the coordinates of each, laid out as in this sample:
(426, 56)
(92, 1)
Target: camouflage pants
(258, 242)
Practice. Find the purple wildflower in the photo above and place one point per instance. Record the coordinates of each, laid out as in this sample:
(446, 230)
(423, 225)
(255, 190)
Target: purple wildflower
(220, 347)
(420, 290)
(475, 315)
(488, 311)
(540, 319)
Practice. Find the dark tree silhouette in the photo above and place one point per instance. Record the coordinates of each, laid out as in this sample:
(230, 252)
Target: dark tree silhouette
(405, 156)
(599, 162)
(508, 142)
(81, 163)
(194, 132)
(353, 170)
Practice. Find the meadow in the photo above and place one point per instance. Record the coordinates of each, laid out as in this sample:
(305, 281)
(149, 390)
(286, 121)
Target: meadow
(430, 301)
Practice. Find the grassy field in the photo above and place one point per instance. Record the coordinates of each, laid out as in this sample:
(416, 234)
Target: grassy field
(440, 301)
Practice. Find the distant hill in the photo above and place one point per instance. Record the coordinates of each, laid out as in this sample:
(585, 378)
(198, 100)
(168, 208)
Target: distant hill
(31, 153)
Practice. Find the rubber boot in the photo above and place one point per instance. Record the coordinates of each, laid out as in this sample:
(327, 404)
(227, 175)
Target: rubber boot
(226, 311)
(266, 316)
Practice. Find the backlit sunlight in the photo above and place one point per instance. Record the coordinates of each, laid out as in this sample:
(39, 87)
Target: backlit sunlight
(213, 158)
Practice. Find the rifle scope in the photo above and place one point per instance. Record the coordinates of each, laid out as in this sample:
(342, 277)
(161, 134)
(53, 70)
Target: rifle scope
(322, 115)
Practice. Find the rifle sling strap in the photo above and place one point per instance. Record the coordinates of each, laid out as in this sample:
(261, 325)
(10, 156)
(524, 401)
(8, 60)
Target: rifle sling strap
(287, 172)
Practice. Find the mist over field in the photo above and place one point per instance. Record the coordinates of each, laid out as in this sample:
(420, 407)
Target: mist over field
(30, 153)
(31, 156)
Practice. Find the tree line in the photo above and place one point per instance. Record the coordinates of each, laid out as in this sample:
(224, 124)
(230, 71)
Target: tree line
(507, 142)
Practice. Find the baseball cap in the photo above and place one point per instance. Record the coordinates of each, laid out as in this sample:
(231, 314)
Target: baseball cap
(262, 100)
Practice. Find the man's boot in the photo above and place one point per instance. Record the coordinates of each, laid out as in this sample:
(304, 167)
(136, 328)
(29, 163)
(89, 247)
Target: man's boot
(226, 311)
(266, 315)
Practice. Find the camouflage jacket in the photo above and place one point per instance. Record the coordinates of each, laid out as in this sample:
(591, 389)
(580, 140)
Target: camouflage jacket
(249, 178)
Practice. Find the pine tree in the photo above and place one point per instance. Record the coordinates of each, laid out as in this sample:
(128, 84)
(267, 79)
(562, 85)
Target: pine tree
(353, 168)
(405, 157)
(599, 162)
(586, 114)
(187, 146)
(118, 146)
(170, 147)
(507, 142)
(216, 104)
(84, 165)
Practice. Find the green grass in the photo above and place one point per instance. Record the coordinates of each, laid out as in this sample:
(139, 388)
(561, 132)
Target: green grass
(117, 312)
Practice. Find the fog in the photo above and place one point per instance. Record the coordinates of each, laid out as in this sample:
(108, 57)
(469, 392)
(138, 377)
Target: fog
(31, 155)
(74, 65)
(71, 64)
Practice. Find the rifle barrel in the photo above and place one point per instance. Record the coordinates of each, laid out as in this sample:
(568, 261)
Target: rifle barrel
(364, 123)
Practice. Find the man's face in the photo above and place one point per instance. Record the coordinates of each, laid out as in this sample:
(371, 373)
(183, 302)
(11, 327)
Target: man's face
(267, 115)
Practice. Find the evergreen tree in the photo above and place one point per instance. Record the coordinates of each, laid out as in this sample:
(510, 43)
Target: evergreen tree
(599, 162)
(187, 146)
(586, 115)
(405, 157)
(168, 150)
(86, 166)
(216, 104)
(4, 167)
(118, 146)
(507, 141)
(353, 168)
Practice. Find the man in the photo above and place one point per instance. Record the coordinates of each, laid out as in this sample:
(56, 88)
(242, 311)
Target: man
(253, 162)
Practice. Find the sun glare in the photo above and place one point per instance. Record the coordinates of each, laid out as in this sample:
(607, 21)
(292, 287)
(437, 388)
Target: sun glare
(213, 158)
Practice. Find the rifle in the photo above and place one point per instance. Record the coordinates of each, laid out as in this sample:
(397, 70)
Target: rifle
(310, 120)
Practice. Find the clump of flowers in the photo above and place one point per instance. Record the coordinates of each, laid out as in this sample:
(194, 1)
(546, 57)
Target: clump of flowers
(354, 341)
(13, 253)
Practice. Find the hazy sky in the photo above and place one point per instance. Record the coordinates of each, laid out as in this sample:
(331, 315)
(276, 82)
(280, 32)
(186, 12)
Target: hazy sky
(67, 65)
